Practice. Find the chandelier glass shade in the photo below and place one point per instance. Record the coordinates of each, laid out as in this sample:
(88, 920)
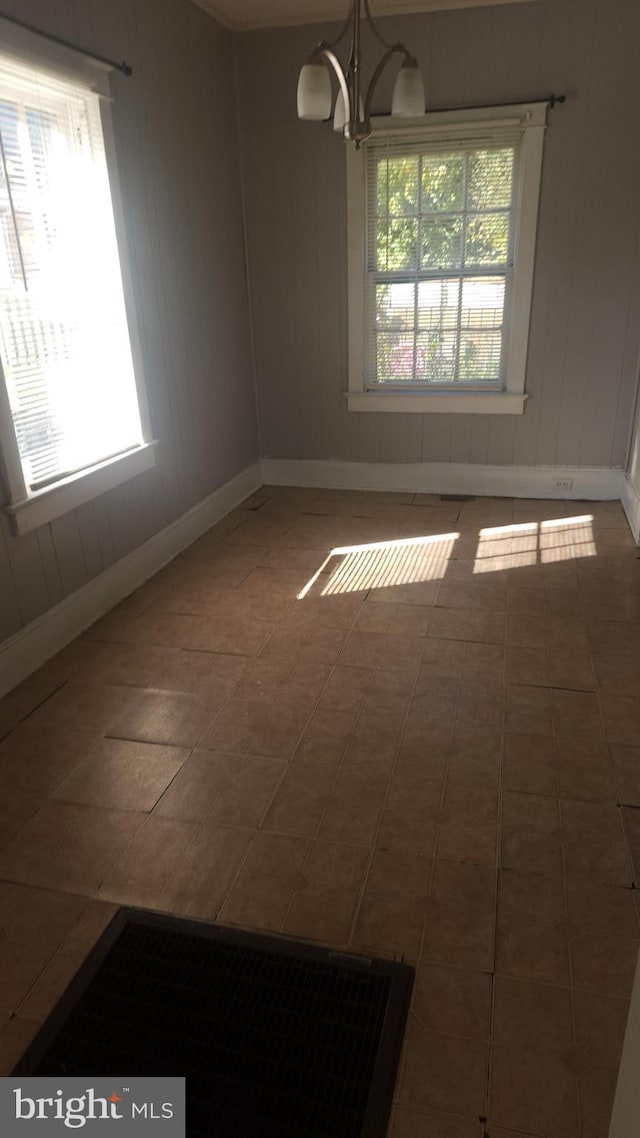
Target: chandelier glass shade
(352, 113)
(314, 92)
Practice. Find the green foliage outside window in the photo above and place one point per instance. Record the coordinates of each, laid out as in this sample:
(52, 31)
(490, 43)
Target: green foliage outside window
(445, 213)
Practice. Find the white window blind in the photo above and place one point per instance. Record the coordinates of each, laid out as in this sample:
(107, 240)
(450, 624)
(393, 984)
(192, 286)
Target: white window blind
(64, 340)
(440, 236)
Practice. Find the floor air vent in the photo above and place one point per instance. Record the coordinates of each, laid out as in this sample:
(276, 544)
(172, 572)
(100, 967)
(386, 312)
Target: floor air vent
(276, 1038)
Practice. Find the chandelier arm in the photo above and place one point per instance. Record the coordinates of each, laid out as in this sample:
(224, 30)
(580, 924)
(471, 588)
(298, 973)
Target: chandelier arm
(374, 27)
(343, 30)
(331, 59)
(354, 73)
(394, 49)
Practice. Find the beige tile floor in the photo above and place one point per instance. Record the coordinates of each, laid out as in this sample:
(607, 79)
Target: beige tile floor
(424, 743)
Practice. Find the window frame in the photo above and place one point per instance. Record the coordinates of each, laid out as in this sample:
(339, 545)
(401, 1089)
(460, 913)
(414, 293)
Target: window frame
(27, 509)
(479, 124)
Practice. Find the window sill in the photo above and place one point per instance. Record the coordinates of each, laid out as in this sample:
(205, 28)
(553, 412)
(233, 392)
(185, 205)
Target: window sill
(54, 501)
(427, 402)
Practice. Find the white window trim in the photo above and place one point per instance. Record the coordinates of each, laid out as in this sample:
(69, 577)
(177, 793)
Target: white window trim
(446, 125)
(29, 509)
(44, 506)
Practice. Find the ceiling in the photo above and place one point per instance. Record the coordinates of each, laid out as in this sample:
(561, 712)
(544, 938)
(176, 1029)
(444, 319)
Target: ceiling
(245, 14)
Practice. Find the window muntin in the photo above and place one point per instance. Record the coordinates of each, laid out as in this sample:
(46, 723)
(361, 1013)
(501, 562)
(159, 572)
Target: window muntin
(441, 222)
(64, 338)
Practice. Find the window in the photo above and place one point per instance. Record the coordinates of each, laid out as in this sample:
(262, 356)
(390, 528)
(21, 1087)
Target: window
(71, 407)
(442, 234)
(439, 256)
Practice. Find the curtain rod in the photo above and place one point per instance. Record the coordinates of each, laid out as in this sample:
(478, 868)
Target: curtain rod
(550, 101)
(123, 67)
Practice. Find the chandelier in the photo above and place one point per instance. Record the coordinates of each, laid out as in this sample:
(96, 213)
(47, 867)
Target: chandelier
(352, 112)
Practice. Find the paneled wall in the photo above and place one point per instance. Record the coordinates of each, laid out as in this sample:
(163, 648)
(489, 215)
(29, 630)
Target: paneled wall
(585, 322)
(179, 157)
(176, 141)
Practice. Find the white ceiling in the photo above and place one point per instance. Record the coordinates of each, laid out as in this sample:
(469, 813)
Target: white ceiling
(244, 14)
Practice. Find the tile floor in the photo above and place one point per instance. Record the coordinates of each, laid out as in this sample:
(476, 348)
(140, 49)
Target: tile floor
(390, 722)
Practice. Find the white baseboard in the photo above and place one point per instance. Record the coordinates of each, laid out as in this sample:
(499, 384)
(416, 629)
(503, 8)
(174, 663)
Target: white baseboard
(595, 483)
(21, 654)
(630, 498)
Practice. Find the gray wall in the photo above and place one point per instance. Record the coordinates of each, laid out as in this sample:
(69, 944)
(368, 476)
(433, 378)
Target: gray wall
(179, 164)
(585, 324)
(176, 141)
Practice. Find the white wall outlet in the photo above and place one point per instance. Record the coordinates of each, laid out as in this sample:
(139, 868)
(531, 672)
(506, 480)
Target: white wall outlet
(563, 484)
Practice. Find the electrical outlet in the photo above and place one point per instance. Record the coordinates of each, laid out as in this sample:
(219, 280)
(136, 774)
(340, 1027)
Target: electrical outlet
(563, 484)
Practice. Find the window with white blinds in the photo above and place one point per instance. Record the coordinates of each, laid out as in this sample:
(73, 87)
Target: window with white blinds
(442, 223)
(439, 262)
(64, 339)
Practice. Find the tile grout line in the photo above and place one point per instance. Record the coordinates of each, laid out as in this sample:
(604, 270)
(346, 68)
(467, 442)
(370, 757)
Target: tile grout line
(374, 841)
(287, 768)
(503, 728)
(374, 845)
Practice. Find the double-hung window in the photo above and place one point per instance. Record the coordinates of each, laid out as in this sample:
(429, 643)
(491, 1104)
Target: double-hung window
(72, 412)
(442, 226)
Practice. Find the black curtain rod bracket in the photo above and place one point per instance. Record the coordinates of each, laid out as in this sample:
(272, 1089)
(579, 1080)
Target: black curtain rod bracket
(124, 68)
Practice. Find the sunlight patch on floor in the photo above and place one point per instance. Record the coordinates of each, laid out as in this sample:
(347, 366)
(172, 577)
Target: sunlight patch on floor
(531, 543)
(567, 538)
(352, 568)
